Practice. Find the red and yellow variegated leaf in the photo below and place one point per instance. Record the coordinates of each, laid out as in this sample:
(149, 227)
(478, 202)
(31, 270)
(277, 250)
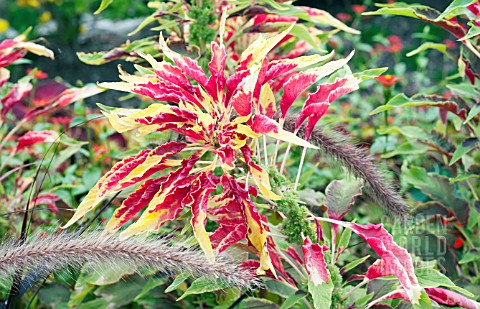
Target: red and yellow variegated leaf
(379, 269)
(216, 83)
(324, 17)
(66, 97)
(4, 76)
(259, 175)
(34, 137)
(298, 82)
(167, 202)
(257, 233)
(317, 103)
(188, 65)
(227, 235)
(111, 181)
(48, 199)
(17, 93)
(258, 50)
(225, 210)
(315, 262)
(396, 259)
(281, 66)
(267, 126)
(134, 203)
(450, 298)
(267, 104)
(197, 200)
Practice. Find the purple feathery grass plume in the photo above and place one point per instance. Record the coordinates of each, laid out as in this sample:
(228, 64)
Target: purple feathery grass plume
(359, 163)
(74, 250)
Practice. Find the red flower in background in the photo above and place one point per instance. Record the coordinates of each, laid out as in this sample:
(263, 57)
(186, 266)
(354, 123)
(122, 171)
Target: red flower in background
(395, 44)
(344, 17)
(359, 9)
(450, 43)
(388, 80)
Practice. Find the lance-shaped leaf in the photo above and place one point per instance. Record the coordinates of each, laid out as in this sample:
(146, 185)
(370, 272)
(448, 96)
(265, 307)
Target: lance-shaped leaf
(16, 94)
(34, 137)
(197, 200)
(397, 259)
(134, 203)
(317, 103)
(258, 50)
(315, 264)
(266, 126)
(257, 232)
(282, 66)
(66, 97)
(323, 17)
(421, 12)
(188, 65)
(217, 81)
(225, 210)
(300, 81)
(48, 199)
(401, 100)
(259, 175)
(267, 105)
(450, 298)
(111, 181)
(167, 202)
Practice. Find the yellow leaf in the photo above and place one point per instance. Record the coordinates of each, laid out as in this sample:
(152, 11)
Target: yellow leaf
(290, 138)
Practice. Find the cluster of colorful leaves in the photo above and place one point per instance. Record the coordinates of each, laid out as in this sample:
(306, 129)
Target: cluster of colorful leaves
(220, 116)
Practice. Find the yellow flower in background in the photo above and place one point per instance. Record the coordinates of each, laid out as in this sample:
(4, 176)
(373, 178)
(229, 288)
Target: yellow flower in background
(30, 3)
(46, 16)
(3, 25)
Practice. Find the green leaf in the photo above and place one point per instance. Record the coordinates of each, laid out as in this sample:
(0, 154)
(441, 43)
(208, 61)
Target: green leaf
(401, 100)
(369, 74)
(203, 285)
(321, 294)
(354, 264)
(455, 8)
(103, 6)
(344, 239)
(280, 288)
(340, 196)
(407, 149)
(463, 177)
(464, 89)
(472, 32)
(438, 188)
(300, 31)
(362, 301)
(473, 112)
(152, 283)
(459, 153)
(293, 299)
(176, 283)
(470, 256)
(429, 45)
(431, 278)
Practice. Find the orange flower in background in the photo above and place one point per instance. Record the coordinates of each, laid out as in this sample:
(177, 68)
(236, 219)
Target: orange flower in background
(388, 80)
(395, 44)
(359, 9)
(38, 74)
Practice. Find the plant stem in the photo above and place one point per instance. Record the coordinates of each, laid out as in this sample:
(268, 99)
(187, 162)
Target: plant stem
(346, 295)
(265, 150)
(304, 152)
